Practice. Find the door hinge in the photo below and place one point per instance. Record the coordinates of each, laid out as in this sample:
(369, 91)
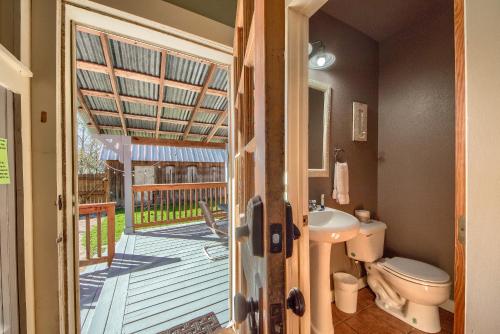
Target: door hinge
(461, 230)
(59, 202)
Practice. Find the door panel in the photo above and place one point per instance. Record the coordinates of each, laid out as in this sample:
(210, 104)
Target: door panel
(259, 166)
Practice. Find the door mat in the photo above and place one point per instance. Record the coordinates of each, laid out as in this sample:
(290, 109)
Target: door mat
(206, 324)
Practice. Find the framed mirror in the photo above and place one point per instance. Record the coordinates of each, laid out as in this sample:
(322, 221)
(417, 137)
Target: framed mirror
(320, 96)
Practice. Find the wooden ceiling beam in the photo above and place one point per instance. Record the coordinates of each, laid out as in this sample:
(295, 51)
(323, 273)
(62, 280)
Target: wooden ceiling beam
(152, 131)
(218, 124)
(176, 143)
(140, 100)
(112, 77)
(200, 99)
(159, 107)
(150, 118)
(86, 109)
(93, 67)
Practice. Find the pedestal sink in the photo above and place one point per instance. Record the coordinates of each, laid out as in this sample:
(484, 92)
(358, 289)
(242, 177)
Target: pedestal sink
(326, 227)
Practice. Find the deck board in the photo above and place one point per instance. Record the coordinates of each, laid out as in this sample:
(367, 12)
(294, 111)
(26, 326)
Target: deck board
(160, 278)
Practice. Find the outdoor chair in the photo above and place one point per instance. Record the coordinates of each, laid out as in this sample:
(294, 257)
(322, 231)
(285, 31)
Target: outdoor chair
(218, 228)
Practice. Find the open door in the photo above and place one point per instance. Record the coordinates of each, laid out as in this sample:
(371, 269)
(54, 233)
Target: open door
(259, 168)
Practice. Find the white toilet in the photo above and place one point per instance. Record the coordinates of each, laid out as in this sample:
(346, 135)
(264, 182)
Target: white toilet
(407, 289)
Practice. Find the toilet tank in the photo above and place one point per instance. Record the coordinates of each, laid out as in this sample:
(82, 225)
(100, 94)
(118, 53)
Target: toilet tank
(368, 245)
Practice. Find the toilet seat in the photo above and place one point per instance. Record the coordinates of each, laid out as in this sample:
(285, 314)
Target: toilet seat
(415, 271)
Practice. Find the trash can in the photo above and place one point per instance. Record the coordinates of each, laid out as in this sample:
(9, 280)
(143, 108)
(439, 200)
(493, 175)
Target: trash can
(346, 292)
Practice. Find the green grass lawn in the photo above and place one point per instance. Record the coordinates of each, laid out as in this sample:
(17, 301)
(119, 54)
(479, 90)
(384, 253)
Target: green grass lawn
(120, 224)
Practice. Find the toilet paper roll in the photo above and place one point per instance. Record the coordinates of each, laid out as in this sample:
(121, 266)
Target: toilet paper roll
(362, 215)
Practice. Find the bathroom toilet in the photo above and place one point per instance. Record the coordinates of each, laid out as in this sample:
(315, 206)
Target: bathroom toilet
(407, 289)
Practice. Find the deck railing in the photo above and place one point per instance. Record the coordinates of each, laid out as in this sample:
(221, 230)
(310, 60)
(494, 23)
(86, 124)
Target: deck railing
(164, 204)
(97, 210)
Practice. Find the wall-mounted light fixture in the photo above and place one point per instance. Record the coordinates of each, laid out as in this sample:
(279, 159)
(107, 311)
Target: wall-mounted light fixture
(319, 59)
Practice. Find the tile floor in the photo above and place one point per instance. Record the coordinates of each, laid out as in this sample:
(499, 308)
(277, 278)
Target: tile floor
(369, 319)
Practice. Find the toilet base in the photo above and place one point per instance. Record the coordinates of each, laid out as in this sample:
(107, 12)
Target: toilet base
(421, 317)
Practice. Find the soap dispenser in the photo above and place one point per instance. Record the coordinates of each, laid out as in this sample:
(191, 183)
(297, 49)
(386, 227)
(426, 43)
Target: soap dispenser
(322, 202)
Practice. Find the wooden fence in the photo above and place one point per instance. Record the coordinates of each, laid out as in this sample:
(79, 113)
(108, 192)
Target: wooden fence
(89, 211)
(93, 188)
(163, 204)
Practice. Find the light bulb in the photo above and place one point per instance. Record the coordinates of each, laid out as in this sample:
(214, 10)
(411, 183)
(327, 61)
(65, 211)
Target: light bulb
(321, 61)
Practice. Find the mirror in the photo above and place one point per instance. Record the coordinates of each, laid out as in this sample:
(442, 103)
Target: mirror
(320, 95)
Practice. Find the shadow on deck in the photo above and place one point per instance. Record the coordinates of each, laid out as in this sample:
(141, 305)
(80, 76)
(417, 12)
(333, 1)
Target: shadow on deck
(159, 278)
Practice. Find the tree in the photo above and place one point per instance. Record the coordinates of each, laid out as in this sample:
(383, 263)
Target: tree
(88, 151)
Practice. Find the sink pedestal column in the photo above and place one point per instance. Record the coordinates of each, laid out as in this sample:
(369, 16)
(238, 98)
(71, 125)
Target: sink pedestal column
(321, 296)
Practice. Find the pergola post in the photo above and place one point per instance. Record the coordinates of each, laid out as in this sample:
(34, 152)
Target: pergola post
(127, 183)
(122, 146)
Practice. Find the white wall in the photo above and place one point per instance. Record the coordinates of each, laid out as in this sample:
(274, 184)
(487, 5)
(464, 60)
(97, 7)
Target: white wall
(482, 33)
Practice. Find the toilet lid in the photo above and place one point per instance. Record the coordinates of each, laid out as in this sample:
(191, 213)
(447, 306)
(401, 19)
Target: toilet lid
(416, 270)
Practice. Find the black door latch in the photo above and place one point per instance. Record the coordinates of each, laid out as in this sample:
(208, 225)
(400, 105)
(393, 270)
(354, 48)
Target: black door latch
(292, 231)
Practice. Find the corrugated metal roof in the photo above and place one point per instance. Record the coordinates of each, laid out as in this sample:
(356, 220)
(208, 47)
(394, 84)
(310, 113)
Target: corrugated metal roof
(172, 127)
(99, 103)
(219, 81)
(185, 70)
(137, 88)
(170, 154)
(106, 120)
(140, 124)
(175, 113)
(202, 130)
(171, 136)
(138, 59)
(221, 132)
(180, 96)
(138, 109)
(214, 102)
(89, 48)
(134, 58)
(205, 117)
(93, 80)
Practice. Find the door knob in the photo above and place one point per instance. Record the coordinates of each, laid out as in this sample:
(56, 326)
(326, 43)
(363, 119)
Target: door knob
(295, 302)
(246, 308)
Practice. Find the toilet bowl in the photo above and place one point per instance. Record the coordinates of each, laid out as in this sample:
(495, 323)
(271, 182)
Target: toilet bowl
(411, 296)
(408, 289)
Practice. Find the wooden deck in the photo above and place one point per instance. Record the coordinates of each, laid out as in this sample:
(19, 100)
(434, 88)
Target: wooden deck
(159, 278)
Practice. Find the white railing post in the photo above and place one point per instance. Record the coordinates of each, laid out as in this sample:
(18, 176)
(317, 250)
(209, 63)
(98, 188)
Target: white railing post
(127, 182)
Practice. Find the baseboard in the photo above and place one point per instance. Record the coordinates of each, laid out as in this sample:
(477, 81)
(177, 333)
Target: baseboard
(448, 305)
(361, 284)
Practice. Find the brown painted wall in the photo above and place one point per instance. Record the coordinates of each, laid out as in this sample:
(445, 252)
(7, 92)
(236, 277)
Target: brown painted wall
(416, 141)
(353, 77)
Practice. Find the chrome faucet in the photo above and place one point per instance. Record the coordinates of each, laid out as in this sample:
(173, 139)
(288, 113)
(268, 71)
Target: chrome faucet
(312, 205)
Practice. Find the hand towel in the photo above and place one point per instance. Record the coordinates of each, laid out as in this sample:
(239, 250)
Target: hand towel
(341, 183)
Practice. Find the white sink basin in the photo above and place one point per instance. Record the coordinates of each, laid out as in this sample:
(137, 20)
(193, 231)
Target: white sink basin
(332, 226)
(325, 228)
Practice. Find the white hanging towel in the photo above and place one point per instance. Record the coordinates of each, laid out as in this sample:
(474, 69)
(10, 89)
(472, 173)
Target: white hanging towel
(341, 183)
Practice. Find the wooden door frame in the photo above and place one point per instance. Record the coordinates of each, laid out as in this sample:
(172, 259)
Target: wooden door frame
(297, 185)
(72, 12)
(460, 133)
(16, 76)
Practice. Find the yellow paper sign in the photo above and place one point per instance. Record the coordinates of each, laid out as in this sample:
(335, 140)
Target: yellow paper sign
(4, 162)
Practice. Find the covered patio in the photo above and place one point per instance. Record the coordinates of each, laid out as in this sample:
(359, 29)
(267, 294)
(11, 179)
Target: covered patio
(155, 106)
